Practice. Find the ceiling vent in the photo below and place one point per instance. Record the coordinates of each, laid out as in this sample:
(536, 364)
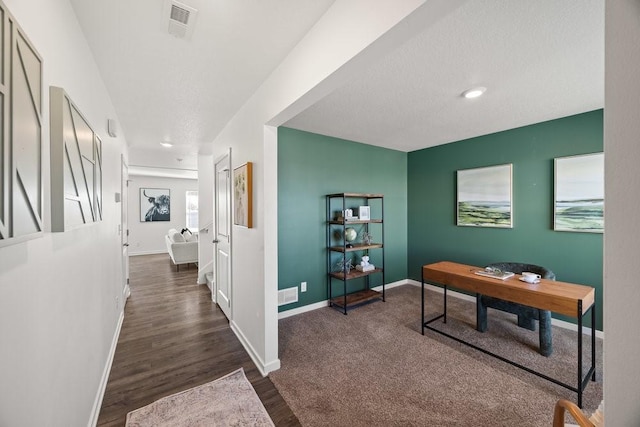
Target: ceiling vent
(180, 19)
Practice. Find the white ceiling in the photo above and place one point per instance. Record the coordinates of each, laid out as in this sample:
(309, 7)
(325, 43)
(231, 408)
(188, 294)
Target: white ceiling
(539, 60)
(184, 91)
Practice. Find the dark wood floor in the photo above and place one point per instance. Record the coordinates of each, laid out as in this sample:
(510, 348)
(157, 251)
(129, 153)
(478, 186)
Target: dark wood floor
(174, 338)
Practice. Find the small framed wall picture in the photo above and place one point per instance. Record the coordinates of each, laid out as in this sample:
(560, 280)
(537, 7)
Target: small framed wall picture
(485, 197)
(579, 193)
(155, 204)
(243, 195)
(364, 213)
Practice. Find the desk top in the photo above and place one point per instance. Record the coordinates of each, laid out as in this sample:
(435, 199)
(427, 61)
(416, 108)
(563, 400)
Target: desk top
(559, 297)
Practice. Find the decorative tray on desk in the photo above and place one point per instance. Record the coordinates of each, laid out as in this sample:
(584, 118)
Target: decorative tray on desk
(494, 273)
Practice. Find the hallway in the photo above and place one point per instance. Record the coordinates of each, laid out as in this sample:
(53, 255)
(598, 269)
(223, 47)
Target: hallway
(174, 338)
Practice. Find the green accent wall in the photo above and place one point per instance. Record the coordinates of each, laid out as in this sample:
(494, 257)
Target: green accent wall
(434, 236)
(311, 166)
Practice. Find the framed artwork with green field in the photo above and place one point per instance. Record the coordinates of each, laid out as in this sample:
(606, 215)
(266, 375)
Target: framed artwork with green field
(579, 193)
(485, 197)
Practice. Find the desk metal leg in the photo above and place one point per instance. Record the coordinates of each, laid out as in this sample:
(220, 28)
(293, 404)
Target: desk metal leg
(580, 354)
(444, 315)
(444, 320)
(593, 338)
(591, 373)
(422, 306)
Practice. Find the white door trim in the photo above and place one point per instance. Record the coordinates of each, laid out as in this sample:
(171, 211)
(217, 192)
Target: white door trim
(223, 238)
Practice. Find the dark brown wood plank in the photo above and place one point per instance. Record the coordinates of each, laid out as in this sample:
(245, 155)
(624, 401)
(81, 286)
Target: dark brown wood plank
(174, 338)
(354, 274)
(355, 221)
(357, 298)
(356, 247)
(361, 195)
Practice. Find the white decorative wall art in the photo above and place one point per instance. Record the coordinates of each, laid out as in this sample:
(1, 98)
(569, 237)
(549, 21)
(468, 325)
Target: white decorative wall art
(21, 163)
(76, 166)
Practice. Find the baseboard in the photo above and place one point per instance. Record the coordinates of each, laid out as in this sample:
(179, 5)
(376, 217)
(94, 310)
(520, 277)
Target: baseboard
(555, 322)
(325, 303)
(573, 327)
(138, 253)
(264, 368)
(393, 285)
(97, 404)
(303, 309)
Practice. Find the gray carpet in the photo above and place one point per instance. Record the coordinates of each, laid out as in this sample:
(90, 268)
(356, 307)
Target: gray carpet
(374, 368)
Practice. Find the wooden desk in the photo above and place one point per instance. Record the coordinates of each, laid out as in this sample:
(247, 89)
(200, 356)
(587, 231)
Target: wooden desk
(559, 297)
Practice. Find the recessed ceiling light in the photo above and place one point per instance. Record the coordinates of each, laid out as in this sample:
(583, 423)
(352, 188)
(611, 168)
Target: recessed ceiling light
(474, 93)
(166, 144)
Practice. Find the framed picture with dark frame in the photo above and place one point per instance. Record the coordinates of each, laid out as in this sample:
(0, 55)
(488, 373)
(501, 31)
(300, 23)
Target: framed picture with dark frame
(243, 195)
(485, 197)
(579, 193)
(155, 204)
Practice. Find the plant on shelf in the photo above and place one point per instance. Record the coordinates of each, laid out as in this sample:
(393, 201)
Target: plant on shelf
(367, 238)
(344, 266)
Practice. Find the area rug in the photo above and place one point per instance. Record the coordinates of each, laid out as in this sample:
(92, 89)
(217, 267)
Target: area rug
(227, 401)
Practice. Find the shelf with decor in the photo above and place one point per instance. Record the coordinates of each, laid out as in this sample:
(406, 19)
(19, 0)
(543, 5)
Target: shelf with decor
(356, 247)
(354, 277)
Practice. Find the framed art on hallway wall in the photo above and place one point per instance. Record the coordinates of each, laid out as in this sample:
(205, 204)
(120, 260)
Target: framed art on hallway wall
(243, 195)
(155, 204)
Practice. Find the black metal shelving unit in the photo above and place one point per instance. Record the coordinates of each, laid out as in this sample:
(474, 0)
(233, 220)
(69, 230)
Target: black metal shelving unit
(337, 225)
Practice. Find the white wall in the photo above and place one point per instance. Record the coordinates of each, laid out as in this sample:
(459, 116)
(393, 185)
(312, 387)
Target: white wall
(332, 53)
(622, 230)
(148, 237)
(61, 294)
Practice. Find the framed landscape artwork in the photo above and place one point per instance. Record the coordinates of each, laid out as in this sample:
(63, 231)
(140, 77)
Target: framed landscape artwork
(155, 204)
(242, 195)
(484, 197)
(579, 193)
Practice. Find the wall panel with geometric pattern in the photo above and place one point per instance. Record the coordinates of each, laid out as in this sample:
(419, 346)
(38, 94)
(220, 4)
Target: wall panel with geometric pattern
(21, 184)
(76, 165)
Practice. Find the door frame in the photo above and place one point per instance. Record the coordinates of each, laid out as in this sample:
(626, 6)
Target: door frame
(124, 227)
(216, 267)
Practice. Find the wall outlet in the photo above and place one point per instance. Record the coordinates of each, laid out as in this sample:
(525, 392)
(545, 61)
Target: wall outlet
(303, 286)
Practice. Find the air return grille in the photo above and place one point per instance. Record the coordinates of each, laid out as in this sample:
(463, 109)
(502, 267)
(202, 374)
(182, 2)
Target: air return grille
(180, 14)
(287, 296)
(180, 19)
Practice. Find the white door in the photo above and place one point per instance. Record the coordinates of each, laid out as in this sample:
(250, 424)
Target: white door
(124, 226)
(222, 241)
